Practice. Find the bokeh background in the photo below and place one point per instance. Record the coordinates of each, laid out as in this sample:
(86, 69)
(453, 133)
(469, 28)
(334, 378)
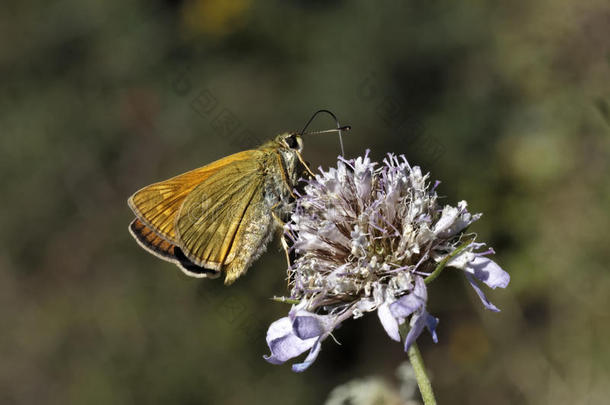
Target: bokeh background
(507, 104)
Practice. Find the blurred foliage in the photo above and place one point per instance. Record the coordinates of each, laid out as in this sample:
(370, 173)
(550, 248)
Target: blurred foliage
(506, 103)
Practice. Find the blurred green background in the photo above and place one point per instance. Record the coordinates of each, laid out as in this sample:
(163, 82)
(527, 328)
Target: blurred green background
(507, 104)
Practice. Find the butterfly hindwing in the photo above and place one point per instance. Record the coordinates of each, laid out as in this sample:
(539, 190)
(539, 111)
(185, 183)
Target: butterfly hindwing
(214, 212)
(153, 243)
(251, 237)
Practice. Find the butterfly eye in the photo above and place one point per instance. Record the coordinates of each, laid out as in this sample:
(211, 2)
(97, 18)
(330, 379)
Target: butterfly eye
(292, 142)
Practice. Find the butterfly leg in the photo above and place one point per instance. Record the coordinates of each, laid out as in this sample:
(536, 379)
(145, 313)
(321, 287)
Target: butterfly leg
(285, 246)
(281, 224)
(305, 165)
(286, 182)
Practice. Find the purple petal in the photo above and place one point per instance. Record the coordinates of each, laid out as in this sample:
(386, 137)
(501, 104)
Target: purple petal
(407, 304)
(488, 272)
(431, 324)
(308, 326)
(447, 219)
(388, 321)
(454, 220)
(418, 321)
(283, 343)
(481, 294)
(311, 357)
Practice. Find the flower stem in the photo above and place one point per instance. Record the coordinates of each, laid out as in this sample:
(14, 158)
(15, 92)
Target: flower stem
(442, 263)
(423, 382)
(285, 300)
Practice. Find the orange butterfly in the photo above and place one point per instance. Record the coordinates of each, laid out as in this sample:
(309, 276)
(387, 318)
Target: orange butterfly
(220, 217)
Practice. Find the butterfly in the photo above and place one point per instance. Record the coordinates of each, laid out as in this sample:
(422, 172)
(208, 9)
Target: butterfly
(220, 217)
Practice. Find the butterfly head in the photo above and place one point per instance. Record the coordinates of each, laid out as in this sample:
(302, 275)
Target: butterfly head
(290, 140)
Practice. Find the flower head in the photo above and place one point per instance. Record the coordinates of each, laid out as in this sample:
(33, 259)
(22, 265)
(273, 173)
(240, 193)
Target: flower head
(366, 236)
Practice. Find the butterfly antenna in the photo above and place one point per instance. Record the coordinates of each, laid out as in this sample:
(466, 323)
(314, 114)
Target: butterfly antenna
(339, 128)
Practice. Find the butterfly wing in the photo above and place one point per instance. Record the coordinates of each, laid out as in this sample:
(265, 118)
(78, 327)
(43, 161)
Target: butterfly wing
(251, 238)
(156, 245)
(224, 223)
(151, 241)
(157, 205)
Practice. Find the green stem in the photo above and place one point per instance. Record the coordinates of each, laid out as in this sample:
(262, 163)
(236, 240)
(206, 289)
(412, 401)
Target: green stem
(417, 362)
(442, 263)
(423, 382)
(285, 300)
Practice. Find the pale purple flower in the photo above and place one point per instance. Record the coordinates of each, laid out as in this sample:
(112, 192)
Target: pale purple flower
(365, 238)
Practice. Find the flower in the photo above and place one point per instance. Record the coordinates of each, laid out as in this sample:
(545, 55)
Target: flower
(366, 238)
